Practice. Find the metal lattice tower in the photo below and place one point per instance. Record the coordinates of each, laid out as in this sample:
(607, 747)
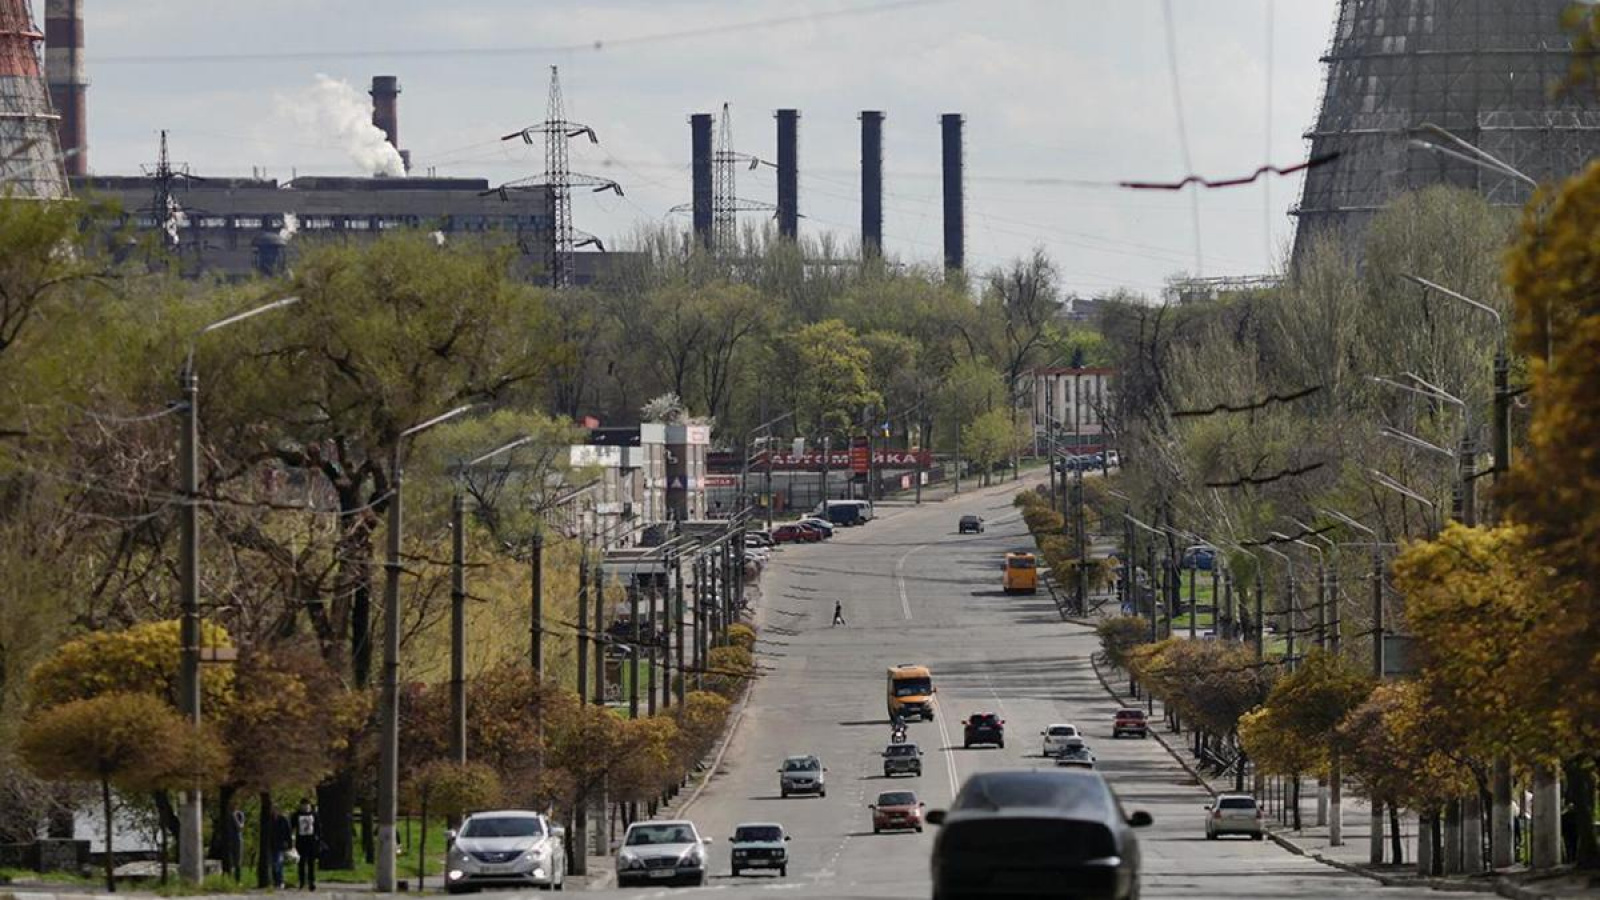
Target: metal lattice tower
(725, 202)
(558, 181)
(30, 148)
(1486, 70)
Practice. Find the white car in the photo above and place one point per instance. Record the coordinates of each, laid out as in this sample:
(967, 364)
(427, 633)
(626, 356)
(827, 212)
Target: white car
(1233, 814)
(662, 852)
(505, 848)
(1056, 737)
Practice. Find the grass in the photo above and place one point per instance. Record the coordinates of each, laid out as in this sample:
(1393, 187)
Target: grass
(8, 876)
(410, 832)
(213, 884)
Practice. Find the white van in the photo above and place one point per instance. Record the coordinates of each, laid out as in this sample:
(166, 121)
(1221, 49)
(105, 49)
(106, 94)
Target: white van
(863, 506)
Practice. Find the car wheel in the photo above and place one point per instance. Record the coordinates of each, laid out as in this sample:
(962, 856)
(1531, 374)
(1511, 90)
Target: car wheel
(452, 889)
(784, 792)
(919, 829)
(877, 830)
(822, 793)
(1211, 836)
(737, 871)
(887, 774)
(1260, 837)
(966, 745)
(1000, 744)
(783, 871)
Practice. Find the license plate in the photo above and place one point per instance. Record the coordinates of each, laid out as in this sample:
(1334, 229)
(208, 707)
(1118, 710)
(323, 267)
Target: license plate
(662, 873)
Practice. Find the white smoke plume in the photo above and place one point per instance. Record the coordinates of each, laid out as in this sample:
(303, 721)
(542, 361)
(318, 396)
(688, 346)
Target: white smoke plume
(175, 220)
(336, 110)
(291, 226)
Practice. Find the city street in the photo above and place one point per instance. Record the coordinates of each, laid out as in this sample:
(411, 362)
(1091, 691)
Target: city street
(916, 592)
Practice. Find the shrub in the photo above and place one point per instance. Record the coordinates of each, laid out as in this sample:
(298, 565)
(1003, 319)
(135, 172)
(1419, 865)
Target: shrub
(1119, 635)
(728, 669)
(742, 636)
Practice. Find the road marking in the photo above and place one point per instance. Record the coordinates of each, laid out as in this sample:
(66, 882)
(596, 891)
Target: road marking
(900, 579)
(949, 749)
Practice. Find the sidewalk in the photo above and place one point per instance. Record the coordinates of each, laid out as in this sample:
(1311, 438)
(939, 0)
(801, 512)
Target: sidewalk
(1354, 853)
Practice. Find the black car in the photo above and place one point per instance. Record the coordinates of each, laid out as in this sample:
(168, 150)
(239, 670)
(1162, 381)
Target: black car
(1041, 832)
(984, 728)
(970, 525)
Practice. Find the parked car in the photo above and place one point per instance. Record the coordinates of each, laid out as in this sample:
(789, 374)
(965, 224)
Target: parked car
(662, 852)
(1075, 753)
(757, 539)
(984, 728)
(970, 525)
(1055, 737)
(813, 529)
(1199, 557)
(1130, 721)
(759, 845)
(506, 848)
(896, 810)
(796, 534)
(1233, 814)
(1045, 832)
(803, 775)
(863, 509)
(902, 759)
(846, 514)
(822, 525)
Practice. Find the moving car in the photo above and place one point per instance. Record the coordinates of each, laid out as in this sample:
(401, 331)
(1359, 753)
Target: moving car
(1130, 721)
(1055, 737)
(1233, 814)
(662, 852)
(1041, 832)
(902, 759)
(802, 775)
(984, 728)
(1075, 753)
(911, 692)
(970, 525)
(1021, 574)
(759, 845)
(796, 534)
(505, 848)
(896, 810)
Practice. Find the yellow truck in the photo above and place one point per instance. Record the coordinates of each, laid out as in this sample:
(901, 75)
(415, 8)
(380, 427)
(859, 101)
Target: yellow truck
(1022, 574)
(911, 692)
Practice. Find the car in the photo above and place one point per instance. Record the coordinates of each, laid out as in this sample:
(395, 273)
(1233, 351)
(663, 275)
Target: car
(1055, 737)
(802, 775)
(759, 845)
(1131, 721)
(863, 510)
(1114, 459)
(902, 759)
(662, 852)
(1233, 814)
(1199, 557)
(822, 525)
(848, 514)
(796, 534)
(896, 810)
(505, 848)
(984, 728)
(970, 525)
(1038, 832)
(814, 529)
(910, 692)
(1075, 753)
(757, 539)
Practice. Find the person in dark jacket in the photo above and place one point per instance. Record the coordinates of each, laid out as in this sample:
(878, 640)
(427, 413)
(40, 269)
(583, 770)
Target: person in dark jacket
(307, 842)
(282, 838)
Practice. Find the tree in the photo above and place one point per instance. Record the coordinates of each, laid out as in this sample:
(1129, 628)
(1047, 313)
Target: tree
(1119, 636)
(143, 659)
(827, 373)
(450, 789)
(128, 741)
(990, 439)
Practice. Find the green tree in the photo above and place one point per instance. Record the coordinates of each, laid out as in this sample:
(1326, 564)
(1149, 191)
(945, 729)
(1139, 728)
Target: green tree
(828, 377)
(991, 439)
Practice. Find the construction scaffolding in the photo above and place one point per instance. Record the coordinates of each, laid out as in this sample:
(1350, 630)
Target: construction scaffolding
(30, 150)
(1488, 71)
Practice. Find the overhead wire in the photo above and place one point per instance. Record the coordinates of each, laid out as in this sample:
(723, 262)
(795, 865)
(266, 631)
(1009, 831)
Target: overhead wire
(1171, 28)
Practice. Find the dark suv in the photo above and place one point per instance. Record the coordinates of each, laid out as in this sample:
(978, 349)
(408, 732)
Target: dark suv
(970, 525)
(984, 728)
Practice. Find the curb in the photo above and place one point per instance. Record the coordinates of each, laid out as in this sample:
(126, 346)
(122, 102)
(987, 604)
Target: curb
(1498, 886)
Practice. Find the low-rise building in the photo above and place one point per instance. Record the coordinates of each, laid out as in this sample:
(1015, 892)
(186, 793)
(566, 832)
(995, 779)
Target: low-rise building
(1072, 402)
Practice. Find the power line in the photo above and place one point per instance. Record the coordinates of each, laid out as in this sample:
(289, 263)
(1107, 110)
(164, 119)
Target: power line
(1183, 127)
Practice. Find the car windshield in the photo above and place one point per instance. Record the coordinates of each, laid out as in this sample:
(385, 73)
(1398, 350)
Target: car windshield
(502, 827)
(901, 750)
(983, 719)
(1062, 731)
(809, 764)
(1020, 562)
(757, 833)
(1130, 714)
(897, 798)
(970, 520)
(645, 835)
(1003, 790)
(1237, 803)
(912, 687)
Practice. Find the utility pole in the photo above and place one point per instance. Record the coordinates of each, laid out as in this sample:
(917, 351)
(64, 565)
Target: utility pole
(536, 607)
(633, 656)
(557, 182)
(458, 628)
(1500, 829)
(677, 620)
(600, 626)
(191, 855)
(827, 451)
(1083, 550)
(583, 621)
(1194, 605)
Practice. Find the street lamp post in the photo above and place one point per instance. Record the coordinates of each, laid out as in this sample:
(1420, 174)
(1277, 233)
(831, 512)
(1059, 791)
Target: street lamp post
(389, 741)
(191, 853)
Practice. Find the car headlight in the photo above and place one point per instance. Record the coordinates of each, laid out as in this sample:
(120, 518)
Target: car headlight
(537, 852)
(692, 856)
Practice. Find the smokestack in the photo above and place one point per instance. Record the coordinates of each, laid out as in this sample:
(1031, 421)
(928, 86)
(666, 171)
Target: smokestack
(386, 112)
(871, 183)
(63, 66)
(700, 175)
(954, 219)
(789, 173)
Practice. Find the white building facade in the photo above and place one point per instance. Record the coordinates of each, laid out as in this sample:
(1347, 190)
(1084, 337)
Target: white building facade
(1072, 402)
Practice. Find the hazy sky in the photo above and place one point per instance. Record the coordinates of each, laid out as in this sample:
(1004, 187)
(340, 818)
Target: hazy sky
(1056, 93)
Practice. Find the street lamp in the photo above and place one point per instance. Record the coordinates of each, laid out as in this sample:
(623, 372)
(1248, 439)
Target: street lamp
(744, 477)
(1466, 152)
(389, 712)
(1388, 482)
(191, 855)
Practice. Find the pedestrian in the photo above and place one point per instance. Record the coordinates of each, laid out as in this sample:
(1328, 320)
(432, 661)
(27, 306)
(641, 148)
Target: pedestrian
(281, 835)
(838, 612)
(307, 842)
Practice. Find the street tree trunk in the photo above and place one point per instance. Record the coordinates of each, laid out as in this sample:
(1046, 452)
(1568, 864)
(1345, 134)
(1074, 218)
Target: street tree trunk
(105, 808)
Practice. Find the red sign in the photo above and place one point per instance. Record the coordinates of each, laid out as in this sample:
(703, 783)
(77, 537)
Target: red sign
(860, 455)
(838, 460)
(720, 481)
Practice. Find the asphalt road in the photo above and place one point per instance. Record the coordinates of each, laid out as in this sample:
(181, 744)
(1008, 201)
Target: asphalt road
(916, 592)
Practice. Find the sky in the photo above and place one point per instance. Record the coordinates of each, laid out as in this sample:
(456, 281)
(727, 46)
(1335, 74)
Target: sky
(1062, 99)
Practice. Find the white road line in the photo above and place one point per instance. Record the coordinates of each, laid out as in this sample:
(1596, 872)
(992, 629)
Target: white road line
(900, 579)
(949, 749)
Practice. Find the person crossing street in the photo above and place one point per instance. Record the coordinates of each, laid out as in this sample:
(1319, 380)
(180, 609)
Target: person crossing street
(838, 612)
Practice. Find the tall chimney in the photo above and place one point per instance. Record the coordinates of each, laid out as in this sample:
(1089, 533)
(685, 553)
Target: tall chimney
(700, 175)
(954, 218)
(871, 183)
(789, 173)
(386, 112)
(63, 66)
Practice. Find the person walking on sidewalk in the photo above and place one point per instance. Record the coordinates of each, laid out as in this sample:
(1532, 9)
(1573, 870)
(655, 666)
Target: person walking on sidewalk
(282, 838)
(307, 842)
(838, 612)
